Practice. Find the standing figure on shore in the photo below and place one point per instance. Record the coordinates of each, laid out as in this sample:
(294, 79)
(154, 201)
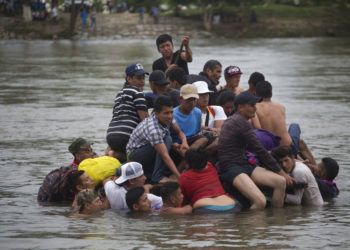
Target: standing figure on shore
(129, 110)
(169, 58)
(83, 16)
(155, 14)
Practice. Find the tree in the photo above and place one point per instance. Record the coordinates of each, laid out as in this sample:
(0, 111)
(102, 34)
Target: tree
(206, 6)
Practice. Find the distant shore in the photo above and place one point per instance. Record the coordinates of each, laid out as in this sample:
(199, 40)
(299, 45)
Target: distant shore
(267, 22)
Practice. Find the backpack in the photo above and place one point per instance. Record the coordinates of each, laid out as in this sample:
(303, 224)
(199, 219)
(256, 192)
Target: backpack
(54, 187)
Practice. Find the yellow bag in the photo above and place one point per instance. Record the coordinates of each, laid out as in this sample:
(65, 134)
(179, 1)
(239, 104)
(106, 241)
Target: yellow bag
(100, 168)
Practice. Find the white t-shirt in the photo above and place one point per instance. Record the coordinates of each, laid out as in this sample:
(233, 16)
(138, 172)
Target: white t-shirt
(116, 197)
(219, 114)
(311, 194)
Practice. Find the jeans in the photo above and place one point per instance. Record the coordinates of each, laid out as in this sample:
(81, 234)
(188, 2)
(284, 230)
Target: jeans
(152, 163)
(294, 132)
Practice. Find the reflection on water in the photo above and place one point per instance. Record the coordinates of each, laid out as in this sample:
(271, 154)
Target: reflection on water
(52, 92)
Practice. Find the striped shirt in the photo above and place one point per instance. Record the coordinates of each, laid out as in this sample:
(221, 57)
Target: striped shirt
(148, 131)
(126, 104)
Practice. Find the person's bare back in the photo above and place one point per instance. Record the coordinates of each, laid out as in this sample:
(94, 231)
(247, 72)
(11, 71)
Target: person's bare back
(272, 117)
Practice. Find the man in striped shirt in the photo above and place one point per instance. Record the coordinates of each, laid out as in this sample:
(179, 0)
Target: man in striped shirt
(128, 111)
(150, 142)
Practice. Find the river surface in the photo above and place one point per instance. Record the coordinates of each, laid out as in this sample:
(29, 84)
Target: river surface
(54, 91)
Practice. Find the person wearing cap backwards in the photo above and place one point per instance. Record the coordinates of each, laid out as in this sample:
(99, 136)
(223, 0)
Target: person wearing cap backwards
(232, 77)
(150, 142)
(128, 111)
(169, 58)
(160, 86)
(131, 176)
(236, 136)
(81, 150)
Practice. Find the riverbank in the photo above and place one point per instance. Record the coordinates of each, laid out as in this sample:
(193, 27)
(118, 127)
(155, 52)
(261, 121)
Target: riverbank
(259, 21)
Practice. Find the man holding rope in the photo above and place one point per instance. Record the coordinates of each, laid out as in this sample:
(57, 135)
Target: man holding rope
(169, 59)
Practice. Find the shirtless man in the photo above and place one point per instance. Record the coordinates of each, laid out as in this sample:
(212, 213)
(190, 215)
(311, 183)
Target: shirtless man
(272, 117)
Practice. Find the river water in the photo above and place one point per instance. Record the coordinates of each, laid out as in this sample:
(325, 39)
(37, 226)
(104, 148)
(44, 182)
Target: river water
(54, 91)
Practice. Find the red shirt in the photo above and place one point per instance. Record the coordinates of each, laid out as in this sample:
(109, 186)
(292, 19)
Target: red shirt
(198, 184)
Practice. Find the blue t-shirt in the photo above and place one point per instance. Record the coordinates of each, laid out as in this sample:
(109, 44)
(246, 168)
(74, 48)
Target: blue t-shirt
(189, 124)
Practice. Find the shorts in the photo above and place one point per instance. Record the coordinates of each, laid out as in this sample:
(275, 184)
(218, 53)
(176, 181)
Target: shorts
(231, 173)
(217, 209)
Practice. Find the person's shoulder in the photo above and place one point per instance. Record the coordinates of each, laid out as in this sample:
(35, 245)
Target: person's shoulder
(197, 111)
(301, 168)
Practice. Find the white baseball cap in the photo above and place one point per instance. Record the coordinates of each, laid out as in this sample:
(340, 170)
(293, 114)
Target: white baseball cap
(130, 170)
(202, 87)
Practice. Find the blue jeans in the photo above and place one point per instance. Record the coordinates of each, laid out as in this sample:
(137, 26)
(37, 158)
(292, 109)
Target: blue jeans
(294, 132)
(152, 163)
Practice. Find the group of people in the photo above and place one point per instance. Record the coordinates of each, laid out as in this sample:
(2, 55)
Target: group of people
(193, 146)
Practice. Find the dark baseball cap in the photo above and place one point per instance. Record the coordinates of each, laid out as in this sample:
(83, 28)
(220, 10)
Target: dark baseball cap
(158, 77)
(135, 69)
(78, 144)
(246, 98)
(232, 71)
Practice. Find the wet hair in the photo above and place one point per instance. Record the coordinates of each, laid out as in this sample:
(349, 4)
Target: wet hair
(133, 196)
(255, 78)
(225, 97)
(163, 38)
(264, 89)
(196, 158)
(162, 101)
(70, 181)
(177, 74)
(211, 64)
(165, 190)
(84, 198)
(281, 152)
(331, 166)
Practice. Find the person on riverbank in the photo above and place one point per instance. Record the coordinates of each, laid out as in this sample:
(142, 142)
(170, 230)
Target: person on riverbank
(93, 17)
(172, 198)
(310, 193)
(235, 137)
(83, 17)
(129, 110)
(201, 185)
(160, 86)
(272, 117)
(232, 76)
(132, 176)
(150, 142)
(169, 58)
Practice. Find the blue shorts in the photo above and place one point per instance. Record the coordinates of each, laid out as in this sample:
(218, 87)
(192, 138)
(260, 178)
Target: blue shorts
(217, 209)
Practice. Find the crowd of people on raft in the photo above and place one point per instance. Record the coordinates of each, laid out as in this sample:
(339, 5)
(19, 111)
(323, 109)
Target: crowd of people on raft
(192, 145)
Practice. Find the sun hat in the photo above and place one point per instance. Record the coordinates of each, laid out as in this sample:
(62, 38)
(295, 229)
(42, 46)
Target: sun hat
(202, 87)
